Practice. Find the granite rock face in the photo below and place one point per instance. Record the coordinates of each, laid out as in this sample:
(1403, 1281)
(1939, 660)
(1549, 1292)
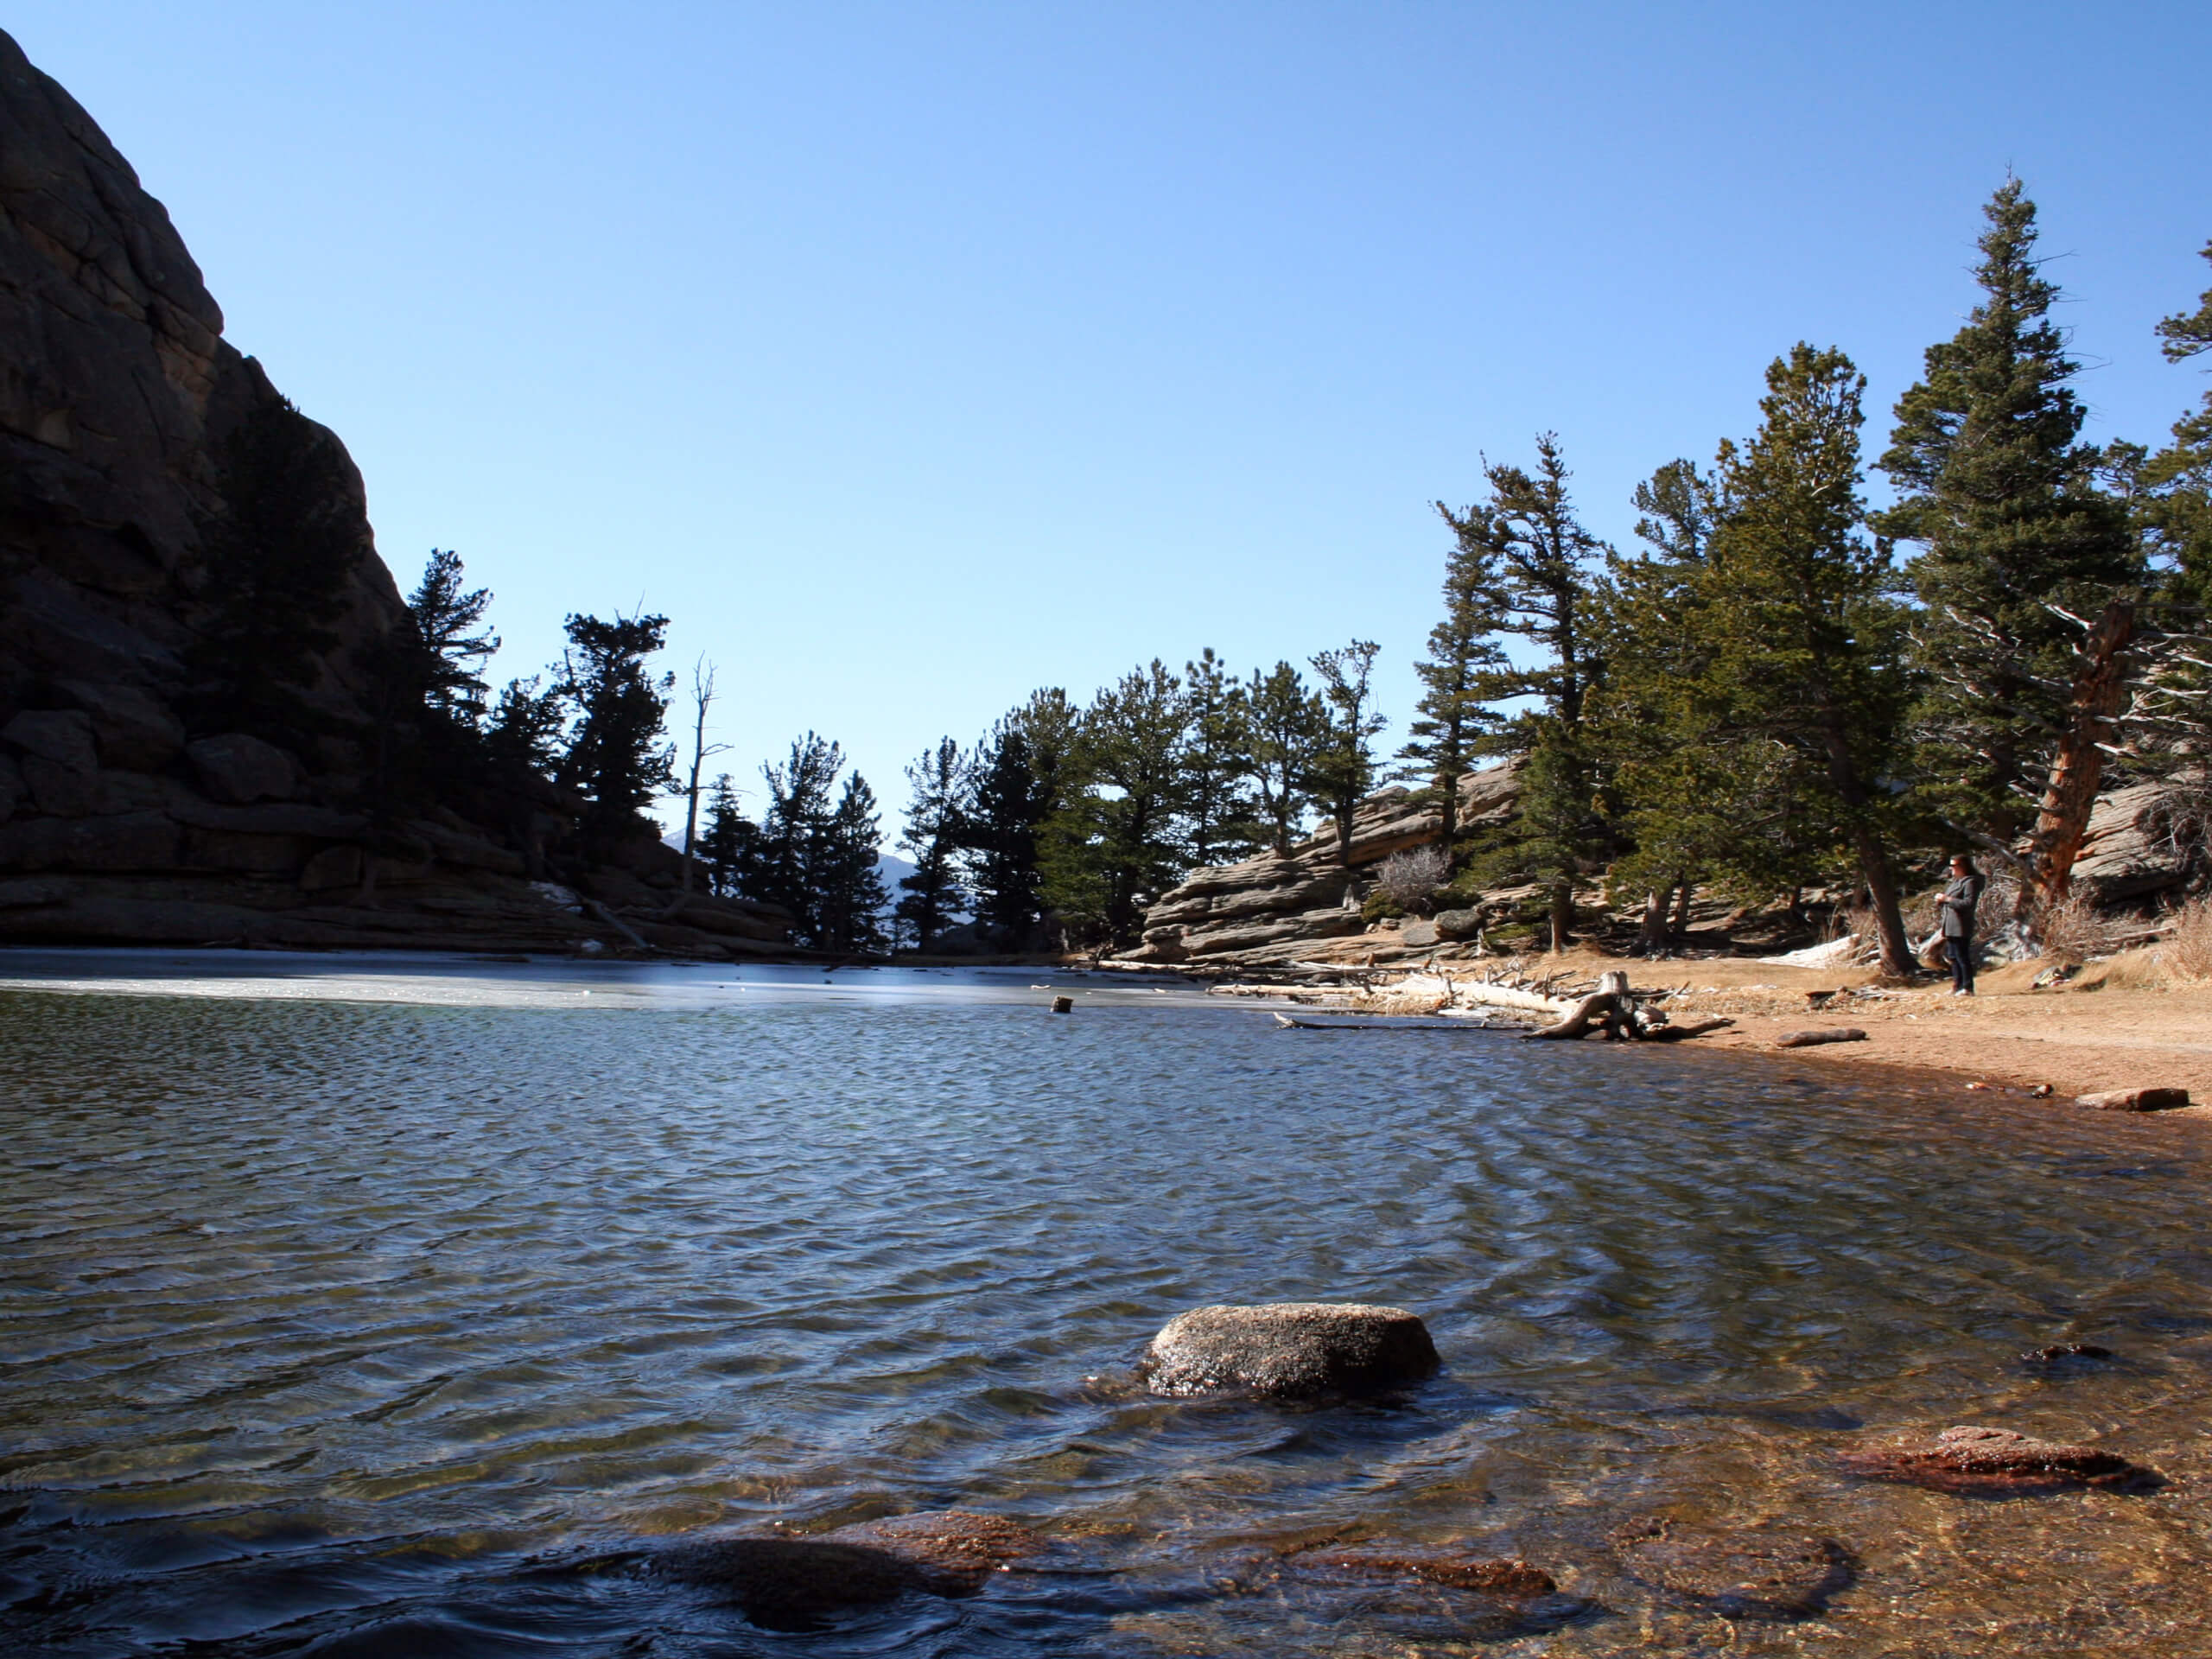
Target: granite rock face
(1273, 909)
(1290, 1351)
(118, 406)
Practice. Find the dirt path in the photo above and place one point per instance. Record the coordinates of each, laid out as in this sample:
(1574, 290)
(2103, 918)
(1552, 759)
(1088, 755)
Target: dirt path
(2078, 1041)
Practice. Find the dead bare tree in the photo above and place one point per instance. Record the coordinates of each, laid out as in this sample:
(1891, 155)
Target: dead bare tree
(703, 697)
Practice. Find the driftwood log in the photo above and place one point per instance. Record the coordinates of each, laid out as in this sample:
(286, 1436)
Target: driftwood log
(1824, 1035)
(1614, 1009)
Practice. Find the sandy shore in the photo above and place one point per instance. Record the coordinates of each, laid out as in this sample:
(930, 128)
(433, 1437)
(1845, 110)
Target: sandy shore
(2101, 1032)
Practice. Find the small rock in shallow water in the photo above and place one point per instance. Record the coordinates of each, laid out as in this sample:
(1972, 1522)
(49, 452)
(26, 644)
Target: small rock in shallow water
(1290, 1350)
(1998, 1463)
(1739, 1572)
(2063, 1350)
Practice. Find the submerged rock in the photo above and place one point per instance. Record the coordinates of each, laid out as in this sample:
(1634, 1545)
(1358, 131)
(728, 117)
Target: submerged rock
(2059, 1353)
(1738, 1573)
(783, 1583)
(1504, 1577)
(1999, 1463)
(1290, 1351)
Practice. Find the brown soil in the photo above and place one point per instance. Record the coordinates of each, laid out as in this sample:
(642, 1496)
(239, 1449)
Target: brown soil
(2115, 1027)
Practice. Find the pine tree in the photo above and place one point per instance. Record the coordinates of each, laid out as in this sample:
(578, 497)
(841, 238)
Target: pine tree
(793, 857)
(1803, 685)
(451, 642)
(1682, 810)
(1464, 660)
(1287, 725)
(1011, 803)
(616, 752)
(528, 726)
(2003, 501)
(937, 829)
(1218, 827)
(1543, 558)
(850, 899)
(1118, 842)
(727, 848)
(2177, 480)
(1341, 773)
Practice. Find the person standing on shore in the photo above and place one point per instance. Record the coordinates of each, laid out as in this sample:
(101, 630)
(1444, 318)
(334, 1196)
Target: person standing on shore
(1957, 906)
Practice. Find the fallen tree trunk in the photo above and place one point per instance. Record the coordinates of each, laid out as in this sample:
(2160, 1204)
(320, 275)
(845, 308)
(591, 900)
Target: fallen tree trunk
(1825, 1034)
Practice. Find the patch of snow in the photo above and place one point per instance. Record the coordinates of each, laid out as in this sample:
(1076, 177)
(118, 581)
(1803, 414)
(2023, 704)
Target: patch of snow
(1836, 953)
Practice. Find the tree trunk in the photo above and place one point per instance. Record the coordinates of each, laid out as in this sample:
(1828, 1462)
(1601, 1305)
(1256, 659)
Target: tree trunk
(1682, 910)
(1344, 817)
(2078, 766)
(1873, 857)
(1882, 889)
(1562, 916)
(1447, 787)
(1654, 937)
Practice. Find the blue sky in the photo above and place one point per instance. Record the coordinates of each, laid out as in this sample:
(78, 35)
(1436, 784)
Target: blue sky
(911, 357)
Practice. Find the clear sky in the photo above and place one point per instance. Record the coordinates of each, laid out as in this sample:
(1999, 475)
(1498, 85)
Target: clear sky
(913, 356)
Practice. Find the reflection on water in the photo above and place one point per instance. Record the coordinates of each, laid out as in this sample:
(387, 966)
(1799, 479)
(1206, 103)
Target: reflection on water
(354, 1325)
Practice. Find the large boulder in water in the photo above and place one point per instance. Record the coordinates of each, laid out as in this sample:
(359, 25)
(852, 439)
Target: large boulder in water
(1290, 1350)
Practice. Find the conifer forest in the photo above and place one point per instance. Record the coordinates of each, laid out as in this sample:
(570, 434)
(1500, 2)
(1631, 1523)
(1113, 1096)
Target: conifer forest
(1780, 687)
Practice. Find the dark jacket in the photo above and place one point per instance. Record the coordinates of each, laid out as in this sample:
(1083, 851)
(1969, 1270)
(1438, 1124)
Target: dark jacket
(1957, 904)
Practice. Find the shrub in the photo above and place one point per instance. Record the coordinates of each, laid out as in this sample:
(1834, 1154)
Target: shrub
(1413, 876)
(2071, 930)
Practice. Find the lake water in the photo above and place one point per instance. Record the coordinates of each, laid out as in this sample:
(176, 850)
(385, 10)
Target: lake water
(348, 1307)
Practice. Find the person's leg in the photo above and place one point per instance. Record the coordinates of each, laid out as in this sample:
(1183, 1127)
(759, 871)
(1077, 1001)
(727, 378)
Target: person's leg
(1960, 952)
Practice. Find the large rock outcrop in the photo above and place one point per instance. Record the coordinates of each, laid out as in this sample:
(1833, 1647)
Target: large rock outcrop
(1274, 909)
(131, 809)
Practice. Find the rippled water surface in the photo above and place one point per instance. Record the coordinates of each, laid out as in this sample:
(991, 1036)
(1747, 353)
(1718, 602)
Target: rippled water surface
(350, 1309)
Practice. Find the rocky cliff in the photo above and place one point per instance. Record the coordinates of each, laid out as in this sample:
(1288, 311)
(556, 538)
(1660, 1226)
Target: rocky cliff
(145, 467)
(1274, 910)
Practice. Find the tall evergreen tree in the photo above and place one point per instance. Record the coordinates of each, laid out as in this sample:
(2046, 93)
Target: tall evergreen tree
(1544, 560)
(1685, 811)
(453, 641)
(1219, 826)
(1286, 724)
(1341, 773)
(1803, 668)
(850, 899)
(1456, 679)
(937, 829)
(617, 753)
(726, 846)
(1008, 807)
(793, 857)
(2177, 480)
(2003, 501)
(1118, 842)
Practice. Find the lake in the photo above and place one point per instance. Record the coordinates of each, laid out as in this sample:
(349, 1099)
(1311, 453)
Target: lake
(360, 1306)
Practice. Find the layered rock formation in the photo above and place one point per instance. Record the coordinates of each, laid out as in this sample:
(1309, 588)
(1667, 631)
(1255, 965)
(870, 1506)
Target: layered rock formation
(127, 813)
(1273, 909)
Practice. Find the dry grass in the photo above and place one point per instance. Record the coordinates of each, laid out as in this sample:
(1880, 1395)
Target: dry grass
(2072, 930)
(2186, 952)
